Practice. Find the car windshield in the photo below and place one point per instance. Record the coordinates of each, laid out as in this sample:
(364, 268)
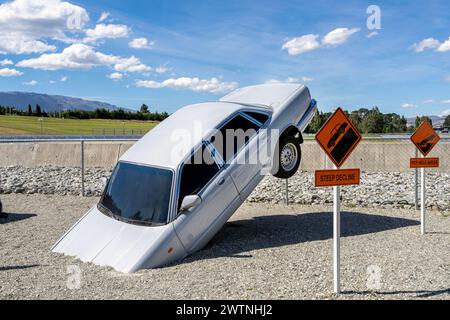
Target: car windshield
(138, 194)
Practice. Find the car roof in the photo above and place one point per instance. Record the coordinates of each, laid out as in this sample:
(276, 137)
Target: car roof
(171, 141)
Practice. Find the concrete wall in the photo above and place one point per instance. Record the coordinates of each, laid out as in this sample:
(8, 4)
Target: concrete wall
(97, 154)
(369, 156)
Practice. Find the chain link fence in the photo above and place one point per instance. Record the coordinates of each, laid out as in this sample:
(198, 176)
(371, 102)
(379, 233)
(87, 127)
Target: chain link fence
(76, 166)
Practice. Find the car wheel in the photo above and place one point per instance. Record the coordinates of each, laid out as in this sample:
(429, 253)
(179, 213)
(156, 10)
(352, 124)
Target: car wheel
(289, 157)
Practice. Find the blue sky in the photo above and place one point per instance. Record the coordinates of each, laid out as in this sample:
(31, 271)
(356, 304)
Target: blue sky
(193, 51)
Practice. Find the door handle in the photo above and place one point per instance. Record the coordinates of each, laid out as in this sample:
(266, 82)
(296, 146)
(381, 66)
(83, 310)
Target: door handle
(221, 181)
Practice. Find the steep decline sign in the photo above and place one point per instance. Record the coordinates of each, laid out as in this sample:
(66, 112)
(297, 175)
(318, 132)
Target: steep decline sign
(338, 138)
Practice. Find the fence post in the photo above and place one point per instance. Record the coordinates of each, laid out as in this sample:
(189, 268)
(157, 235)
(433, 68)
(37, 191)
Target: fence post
(82, 168)
(287, 192)
(416, 184)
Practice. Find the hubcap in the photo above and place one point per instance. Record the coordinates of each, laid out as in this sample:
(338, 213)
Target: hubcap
(289, 157)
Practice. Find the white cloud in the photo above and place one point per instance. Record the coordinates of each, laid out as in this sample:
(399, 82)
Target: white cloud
(408, 106)
(445, 102)
(107, 31)
(372, 34)
(301, 44)
(140, 43)
(444, 47)
(163, 68)
(52, 81)
(429, 43)
(291, 80)
(338, 36)
(150, 84)
(6, 62)
(83, 57)
(6, 72)
(31, 83)
(25, 24)
(429, 101)
(64, 79)
(212, 85)
(115, 76)
(448, 78)
(432, 43)
(103, 16)
(310, 42)
(131, 64)
(445, 113)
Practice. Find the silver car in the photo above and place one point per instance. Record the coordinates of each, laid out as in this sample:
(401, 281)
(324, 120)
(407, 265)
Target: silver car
(172, 191)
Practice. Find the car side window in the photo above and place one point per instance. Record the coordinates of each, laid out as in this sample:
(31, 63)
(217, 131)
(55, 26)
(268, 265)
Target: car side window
(236, 133)
(196, 173)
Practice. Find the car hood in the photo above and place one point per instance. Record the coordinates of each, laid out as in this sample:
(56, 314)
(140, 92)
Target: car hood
(105, 241)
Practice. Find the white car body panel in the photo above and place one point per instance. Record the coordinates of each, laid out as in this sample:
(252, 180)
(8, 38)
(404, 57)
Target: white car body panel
(126, 247)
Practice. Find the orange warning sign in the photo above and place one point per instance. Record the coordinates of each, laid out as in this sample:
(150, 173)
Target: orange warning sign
(425, 138)
(424, 163)
(330, 178)
(338, 137)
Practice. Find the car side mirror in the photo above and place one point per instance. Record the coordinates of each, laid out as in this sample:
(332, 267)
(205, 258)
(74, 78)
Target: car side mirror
(190, 202)
(105, 181)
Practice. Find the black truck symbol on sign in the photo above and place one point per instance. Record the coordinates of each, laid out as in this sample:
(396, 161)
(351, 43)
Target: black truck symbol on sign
(427, 143)
(337, 132)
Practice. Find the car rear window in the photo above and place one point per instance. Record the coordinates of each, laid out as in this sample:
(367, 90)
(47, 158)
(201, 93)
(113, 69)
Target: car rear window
(260, 117)
(234, 135)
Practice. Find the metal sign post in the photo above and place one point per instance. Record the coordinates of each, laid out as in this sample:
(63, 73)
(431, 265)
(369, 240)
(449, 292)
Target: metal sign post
(425, 139)
(423, 200)
(338, 137)
(337, 238)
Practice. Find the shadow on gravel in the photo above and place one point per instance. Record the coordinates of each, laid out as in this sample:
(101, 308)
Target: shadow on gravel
(280, 230)
(15, 217)
(418, 293)
(19, 267)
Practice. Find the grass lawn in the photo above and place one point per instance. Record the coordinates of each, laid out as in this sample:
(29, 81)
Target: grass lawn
(18, 125)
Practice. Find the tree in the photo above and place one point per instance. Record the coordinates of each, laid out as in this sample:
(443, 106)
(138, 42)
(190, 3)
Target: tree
(373, 122)
(356, 119)
(447, 121)
(30, 110)
(38, 110)
(419, 120)
(317, 122)
(144, 108)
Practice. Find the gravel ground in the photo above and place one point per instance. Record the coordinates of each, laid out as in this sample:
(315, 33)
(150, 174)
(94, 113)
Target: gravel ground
(377, 190)
(266, 251)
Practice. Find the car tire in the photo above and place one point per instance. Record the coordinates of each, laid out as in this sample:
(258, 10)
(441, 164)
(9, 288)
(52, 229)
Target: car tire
(290, 155)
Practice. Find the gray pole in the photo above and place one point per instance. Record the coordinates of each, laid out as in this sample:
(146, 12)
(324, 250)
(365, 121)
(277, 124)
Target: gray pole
(82, 168)
(287, 192)
(423, 205)
(337, 238)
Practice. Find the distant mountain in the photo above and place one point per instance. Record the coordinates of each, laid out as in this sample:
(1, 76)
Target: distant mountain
(438, 121)
(49, 103)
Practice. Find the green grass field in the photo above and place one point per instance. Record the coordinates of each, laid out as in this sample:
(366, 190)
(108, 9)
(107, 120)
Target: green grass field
(18, 125)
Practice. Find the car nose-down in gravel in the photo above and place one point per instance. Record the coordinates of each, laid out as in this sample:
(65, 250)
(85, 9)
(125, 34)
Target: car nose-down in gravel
(175, 188)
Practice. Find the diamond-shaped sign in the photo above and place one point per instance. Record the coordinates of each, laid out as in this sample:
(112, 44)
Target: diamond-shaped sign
(425, 138)
(338, 137)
